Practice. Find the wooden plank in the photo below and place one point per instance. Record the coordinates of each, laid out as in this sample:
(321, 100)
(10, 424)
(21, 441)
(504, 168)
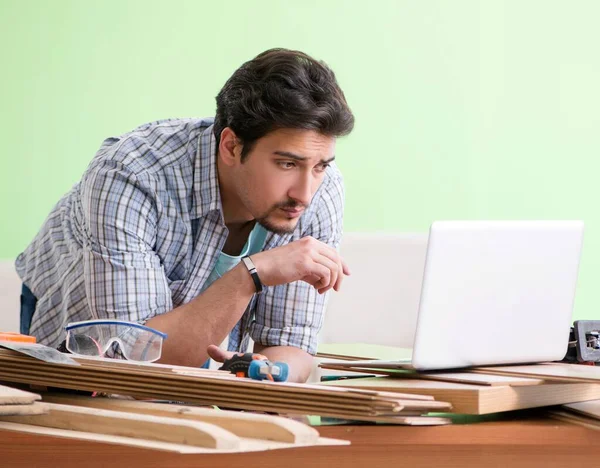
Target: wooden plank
(481, 379)
(152, 367)
(464, 398)
(549, 371)
(33, 408)
(137, 426)
(13, 396)
(572, 418)
(459, 377)
(588, 408)
(258, 426)
(479, 399)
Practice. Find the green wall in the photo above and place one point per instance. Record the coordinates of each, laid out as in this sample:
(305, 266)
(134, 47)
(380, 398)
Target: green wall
(476, 109)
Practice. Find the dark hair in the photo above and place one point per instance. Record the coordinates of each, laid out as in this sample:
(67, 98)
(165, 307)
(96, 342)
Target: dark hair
(281, 88)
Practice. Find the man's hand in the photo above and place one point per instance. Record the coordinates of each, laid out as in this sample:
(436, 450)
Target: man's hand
(218, 354)
(300, 363)
(307, 260)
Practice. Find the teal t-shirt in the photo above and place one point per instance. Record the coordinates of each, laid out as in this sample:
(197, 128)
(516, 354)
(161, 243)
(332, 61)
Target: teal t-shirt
(254, 244)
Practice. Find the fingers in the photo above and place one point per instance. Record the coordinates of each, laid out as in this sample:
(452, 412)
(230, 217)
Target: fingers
(324, 274)
(320, 276)
(334, 271)
(345, 267)
(341, 266)
(218, 354)
(326, 270)
(312, 279)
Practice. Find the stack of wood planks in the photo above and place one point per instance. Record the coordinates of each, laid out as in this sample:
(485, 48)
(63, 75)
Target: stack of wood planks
(207, 387)
(180, 429)
(481, 390)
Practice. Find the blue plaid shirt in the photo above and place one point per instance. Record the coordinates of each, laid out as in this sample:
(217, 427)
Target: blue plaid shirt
(142, 230)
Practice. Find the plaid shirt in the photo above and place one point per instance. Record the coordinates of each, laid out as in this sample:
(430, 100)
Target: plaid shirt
(142, 230)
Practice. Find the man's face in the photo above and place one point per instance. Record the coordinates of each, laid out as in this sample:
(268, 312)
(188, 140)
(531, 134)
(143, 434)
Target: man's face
(280, 175)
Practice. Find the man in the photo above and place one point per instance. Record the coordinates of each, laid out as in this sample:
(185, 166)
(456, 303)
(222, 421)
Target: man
(205, 229)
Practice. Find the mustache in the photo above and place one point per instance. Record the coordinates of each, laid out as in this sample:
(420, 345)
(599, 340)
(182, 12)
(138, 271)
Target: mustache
(290, 205)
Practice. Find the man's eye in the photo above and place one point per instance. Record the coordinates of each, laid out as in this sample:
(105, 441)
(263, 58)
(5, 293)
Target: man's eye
(287, 164)
(322, 167)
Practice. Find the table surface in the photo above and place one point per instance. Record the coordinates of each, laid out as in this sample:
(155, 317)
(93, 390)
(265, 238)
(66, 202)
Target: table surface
(521, 439)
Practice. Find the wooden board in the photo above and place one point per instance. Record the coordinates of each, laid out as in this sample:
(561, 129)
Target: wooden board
(588, 408)
(137, 426)
(479, 399)
(549, 371)
(573, 418)
(33, 408)
(13, 396)
(153, 367)
(460, 377)
(257, 426)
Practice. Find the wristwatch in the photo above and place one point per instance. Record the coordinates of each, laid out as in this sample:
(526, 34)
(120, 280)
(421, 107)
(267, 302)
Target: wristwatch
(252, 269)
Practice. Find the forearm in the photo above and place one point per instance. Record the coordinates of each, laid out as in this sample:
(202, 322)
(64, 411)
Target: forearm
(205, 320)
(300, 362)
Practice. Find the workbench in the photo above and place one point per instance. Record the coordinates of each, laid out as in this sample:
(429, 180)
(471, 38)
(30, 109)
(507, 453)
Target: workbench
(522, 439)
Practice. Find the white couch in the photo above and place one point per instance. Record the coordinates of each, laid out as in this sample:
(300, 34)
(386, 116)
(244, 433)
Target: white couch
(10, 292)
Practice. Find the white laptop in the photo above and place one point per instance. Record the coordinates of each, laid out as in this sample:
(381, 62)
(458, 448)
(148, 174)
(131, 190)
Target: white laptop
(495, 292)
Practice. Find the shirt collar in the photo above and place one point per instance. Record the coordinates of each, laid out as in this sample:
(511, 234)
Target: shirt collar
(206, 193)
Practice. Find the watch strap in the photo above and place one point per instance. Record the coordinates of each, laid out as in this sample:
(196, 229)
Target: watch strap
(252, 270)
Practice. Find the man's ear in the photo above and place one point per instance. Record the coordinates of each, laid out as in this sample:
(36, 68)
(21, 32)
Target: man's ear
(230, 147)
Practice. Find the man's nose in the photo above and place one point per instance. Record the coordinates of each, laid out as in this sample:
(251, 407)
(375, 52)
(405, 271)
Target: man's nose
(302, 191)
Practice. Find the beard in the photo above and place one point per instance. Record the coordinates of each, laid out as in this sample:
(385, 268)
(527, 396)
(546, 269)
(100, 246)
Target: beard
(272, 226)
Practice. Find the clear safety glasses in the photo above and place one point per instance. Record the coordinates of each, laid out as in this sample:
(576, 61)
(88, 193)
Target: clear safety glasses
(114, 338)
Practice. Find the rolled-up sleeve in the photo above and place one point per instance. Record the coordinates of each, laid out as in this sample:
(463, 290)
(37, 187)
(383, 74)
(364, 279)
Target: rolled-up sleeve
(292, 314)
(124, 278)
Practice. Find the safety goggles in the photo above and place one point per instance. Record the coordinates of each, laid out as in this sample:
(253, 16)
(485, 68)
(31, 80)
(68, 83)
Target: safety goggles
(114, 338)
